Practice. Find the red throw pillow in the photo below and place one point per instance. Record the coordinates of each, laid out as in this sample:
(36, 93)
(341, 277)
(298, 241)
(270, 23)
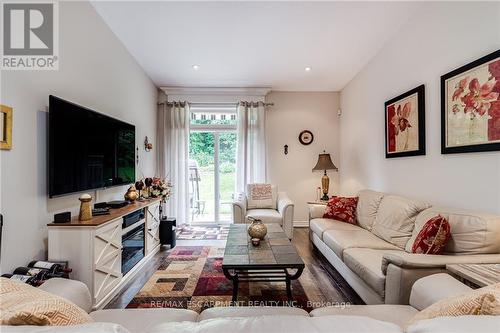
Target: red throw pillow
(342, 209)
(433, 237)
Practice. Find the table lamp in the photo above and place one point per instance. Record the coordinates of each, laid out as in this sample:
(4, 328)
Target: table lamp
(325, 163)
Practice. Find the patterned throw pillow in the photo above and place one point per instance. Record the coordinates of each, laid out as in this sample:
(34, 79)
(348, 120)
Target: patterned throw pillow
(342, 209)
(22, 304)
(433, 237)
(261, 196)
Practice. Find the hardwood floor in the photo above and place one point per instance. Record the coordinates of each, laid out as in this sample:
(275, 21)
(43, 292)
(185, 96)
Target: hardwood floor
(331, 284)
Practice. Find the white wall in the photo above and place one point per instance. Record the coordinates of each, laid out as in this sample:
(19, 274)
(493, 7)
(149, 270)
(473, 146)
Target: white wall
(292, 113)
(439, 38)
(96, 71)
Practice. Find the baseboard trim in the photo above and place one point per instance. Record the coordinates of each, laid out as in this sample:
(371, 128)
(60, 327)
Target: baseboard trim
(301, 224)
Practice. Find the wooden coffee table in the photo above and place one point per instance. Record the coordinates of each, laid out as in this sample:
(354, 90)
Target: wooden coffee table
(274, 260)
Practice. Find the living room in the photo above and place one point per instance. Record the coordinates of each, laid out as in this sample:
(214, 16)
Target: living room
(251, 129)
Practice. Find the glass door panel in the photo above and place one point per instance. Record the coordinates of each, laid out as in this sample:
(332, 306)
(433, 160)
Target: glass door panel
(202, 176)
(212, 164)
(227, 174)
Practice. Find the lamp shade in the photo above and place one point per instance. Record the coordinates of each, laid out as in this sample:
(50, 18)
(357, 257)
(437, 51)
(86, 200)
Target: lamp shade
(324, 163)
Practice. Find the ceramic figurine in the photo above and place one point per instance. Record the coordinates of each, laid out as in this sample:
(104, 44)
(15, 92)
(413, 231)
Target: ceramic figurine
(131, 194)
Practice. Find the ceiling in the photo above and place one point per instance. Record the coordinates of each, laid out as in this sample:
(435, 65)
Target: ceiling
(254, 44)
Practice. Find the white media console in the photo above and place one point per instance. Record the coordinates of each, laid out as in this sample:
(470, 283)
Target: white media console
(93, 248)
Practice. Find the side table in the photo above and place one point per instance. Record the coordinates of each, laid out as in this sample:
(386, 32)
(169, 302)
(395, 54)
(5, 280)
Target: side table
(476, 275)
(320, 202)
(167, 231)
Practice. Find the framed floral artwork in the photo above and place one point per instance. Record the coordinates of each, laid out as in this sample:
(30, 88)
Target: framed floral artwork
(470, 107)
(405, 124)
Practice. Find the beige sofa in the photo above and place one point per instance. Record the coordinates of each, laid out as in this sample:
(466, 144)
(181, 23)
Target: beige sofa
(352, 319)
(375, 256)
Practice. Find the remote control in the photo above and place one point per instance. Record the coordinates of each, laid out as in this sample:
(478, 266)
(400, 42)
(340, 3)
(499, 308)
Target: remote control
(100, 211)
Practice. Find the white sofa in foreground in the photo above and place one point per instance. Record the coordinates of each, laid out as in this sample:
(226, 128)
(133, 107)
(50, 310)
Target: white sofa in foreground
(375, 256)
(352, 319)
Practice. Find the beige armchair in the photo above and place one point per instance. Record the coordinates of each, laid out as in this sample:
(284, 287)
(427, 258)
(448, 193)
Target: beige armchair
(282, 214)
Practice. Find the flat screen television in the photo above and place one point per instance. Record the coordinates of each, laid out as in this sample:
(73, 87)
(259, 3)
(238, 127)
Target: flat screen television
(87, 150)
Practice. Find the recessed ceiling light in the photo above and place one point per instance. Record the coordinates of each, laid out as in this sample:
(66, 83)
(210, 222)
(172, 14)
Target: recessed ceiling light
(196, 67)
(308, 69)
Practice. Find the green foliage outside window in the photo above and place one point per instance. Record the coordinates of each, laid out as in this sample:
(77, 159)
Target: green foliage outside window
(201, 149)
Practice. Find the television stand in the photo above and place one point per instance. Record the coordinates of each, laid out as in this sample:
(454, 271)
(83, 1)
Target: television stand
(93, 248)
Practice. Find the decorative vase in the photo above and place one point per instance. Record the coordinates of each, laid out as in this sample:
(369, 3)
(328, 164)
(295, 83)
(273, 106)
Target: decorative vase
(257, 229)
(139, 185)
(131, 194)
(85, 208)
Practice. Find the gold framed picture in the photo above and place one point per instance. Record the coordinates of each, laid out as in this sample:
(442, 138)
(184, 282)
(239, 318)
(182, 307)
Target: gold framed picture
(5, 127)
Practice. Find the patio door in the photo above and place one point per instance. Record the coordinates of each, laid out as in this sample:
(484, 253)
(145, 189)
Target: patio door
(212, 164)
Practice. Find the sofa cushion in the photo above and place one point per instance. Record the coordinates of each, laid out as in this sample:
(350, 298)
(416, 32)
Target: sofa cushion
(326, 324)
(462, 324)
(471, 233)
(250, 311)
(397, 314)
(367, 263)
(82, 328)
(140, 320)
(340, 240)
(433, 288)
(320, 225)
(71, 290)
(366, 211)
(395, 219)
(262, 196)
(22, 304)
(266, 215)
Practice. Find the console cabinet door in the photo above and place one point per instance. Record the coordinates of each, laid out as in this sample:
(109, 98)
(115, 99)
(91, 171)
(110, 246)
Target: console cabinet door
(107, 259)
(152, 228)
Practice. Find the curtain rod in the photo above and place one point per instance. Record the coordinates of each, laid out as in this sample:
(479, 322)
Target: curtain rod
(213, 105)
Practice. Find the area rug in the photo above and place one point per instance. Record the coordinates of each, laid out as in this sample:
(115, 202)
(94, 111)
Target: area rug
(209, 232)
(191, 277)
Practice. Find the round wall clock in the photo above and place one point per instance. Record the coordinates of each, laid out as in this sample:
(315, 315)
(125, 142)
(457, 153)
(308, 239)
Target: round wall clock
(306, 137)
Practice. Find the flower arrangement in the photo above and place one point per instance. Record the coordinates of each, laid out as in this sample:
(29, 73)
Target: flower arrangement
(161, 188)
(154, 187)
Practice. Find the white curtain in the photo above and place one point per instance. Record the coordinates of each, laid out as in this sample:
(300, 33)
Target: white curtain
(251, 150)
(173, 147)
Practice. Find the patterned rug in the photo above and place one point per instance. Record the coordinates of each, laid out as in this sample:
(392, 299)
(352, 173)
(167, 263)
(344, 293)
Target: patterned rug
(209, 232)
(191, 277)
